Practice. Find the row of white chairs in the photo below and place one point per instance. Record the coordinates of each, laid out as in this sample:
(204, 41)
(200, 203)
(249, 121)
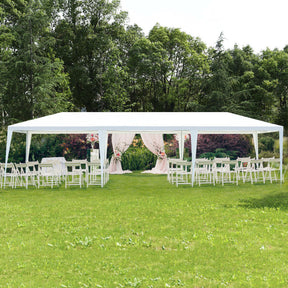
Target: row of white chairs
(224, 170)
(76, 173)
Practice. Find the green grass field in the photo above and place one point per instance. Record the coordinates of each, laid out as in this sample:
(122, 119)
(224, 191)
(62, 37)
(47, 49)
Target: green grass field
(141, 231)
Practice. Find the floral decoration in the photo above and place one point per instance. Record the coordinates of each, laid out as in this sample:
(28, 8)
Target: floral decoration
(161, 155)
(117, 155)
(92, 138)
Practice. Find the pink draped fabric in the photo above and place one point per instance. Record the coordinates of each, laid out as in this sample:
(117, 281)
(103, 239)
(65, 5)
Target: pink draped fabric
(120, 143)
(154, 142)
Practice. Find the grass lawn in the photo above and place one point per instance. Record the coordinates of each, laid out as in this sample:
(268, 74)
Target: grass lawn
(141, 231)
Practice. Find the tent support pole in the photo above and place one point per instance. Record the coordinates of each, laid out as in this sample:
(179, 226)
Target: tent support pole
(281, 153)
(28, 143)
(9, 138)
(194, 135)
(255, 140)
(103, 152)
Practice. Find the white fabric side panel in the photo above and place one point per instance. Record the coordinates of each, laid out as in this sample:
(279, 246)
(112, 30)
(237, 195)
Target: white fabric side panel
(194, 135)
(281, 153)
(28, 144)
(120, 143)
(255, 140)
(155, 143)
(103, 152)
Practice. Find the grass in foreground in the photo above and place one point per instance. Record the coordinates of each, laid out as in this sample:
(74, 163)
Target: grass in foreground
(140, 231)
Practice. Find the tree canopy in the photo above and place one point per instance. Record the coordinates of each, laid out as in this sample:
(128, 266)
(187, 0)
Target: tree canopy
(70, 55)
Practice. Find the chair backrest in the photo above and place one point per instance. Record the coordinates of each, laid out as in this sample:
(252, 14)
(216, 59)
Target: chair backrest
(21, 168)
(204, 163)
(10, 168)
(73, 166)
(83, 164)
(32, 163)
(256, 164)
(230, 162)
(33, 166)
(218, 162)
(83, 161)
(172, 162)
(45, 168)
(272, 162)
(93, 167)
(244, 162)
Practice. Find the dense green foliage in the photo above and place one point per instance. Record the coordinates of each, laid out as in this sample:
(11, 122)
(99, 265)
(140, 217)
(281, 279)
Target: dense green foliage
(63, 55)
(141, 231)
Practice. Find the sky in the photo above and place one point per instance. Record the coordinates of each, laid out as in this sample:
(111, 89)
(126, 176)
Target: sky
(258, 23)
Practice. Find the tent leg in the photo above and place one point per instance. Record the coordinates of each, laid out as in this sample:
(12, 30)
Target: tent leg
(28, 143)
(255, 139)
(103, 152)
(281, 154)
(194, 135)
(9, 138)
(181, 144)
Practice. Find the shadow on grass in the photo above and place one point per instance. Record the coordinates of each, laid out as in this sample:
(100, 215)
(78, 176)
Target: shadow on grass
(275, 201)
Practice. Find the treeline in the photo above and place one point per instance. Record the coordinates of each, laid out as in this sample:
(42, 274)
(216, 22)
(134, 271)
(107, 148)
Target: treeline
(71, 55)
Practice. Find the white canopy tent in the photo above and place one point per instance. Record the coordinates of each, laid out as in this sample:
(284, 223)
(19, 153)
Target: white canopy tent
(181, 123)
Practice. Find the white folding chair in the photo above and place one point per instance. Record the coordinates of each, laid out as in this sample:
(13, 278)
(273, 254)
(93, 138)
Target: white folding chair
(83, 163)
(32, 172)
(204, 173)
(73, 174)
(182, 171)
(10, 175)
(83, 167)
(47, 176)
(271, 167)
(244, 169)
(228, 173)
(218, 167)
(22, 175)
(258, 170)
(93, 175)
(174, 165)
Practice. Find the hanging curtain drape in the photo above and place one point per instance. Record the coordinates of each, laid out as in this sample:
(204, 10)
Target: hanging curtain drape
(120, 143)
(154, 142)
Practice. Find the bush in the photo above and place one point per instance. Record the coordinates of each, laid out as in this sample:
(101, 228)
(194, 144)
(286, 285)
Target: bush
(137, 158)
(266, 143)
(220, 153)
(218, 145)
(69, 146)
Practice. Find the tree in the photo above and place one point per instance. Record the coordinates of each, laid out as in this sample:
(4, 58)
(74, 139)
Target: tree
(168, 68)
(88, 40)
(147, 61)
(275, 63)
(249, 96)
(35, 82)
(218, 86)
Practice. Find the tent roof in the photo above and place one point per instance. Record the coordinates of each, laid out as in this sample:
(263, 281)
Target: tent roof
(203, 122)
